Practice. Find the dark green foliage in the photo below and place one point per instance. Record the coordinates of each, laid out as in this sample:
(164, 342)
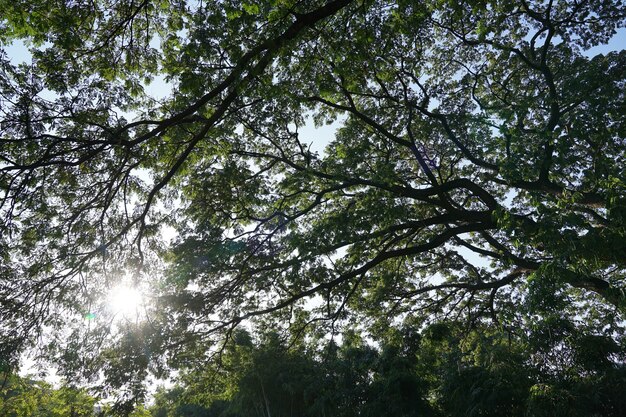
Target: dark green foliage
(270, 380)
(449, 371)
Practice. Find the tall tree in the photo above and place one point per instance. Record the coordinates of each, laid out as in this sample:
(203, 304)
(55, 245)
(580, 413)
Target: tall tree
(555, 368)
(267, 378)
(478, 165)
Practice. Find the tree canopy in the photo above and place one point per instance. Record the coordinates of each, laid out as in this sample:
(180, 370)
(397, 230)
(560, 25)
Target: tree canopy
(476, 174)
(445, 371)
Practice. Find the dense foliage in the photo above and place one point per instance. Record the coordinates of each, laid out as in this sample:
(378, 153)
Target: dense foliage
(476, 176)
(445, 371)
(25, 397)
(33, 397)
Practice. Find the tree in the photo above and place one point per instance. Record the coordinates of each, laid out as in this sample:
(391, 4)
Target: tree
(446, 371)
(267, 378)
(478, 165)
(25, 397)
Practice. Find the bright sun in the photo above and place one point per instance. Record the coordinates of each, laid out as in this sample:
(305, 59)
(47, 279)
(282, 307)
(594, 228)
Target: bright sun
(126, 302)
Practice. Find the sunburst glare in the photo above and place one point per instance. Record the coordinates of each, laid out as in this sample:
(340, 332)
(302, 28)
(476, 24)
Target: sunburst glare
(126, 302)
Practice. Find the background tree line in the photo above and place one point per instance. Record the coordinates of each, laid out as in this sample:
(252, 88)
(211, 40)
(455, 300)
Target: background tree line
(445, 370)
(555, 369)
